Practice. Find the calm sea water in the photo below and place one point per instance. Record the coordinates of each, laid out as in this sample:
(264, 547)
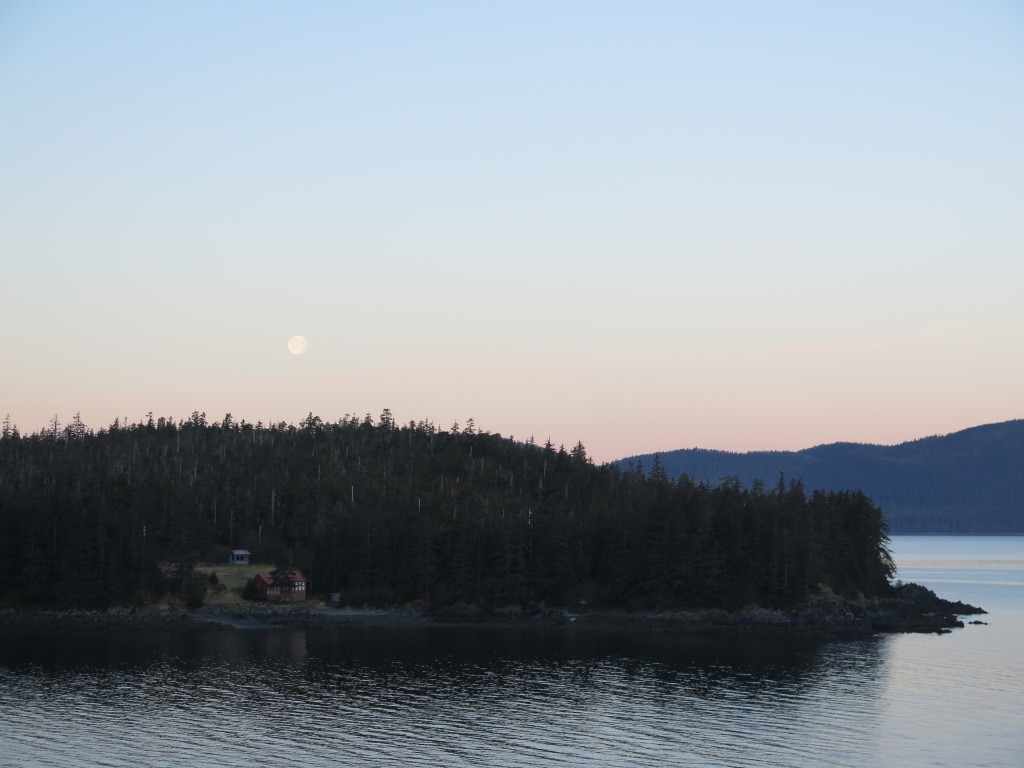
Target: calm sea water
(374, 696)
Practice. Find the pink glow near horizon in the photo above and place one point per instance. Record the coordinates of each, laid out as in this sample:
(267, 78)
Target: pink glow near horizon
(699, 226)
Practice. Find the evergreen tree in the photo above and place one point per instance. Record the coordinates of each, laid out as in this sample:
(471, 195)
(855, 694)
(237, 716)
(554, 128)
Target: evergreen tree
(384, 513)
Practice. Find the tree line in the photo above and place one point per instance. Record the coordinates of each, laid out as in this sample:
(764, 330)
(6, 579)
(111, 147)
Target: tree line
(388, 514)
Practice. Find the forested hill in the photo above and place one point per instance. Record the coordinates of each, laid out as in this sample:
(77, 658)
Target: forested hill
(966, 482)
(389, 514)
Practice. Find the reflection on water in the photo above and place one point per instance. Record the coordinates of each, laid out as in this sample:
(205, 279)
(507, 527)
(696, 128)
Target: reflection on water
(446, 696)
(437, 696)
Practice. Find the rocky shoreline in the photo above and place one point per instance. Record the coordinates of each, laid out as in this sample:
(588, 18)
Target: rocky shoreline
(254, 616)
(913, 609)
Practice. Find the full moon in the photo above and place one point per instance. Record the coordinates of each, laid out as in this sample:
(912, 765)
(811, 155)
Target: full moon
(297, 345)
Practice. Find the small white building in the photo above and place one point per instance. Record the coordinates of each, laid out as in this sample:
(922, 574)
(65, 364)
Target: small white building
(239, 557)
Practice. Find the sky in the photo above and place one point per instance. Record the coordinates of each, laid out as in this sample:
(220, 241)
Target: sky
(642, 226)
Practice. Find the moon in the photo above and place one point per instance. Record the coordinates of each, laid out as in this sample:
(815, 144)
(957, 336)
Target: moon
(297, 345)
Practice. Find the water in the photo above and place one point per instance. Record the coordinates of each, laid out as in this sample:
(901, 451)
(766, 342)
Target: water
(379, 696)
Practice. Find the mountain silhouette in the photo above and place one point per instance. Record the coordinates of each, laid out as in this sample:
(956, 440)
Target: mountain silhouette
(967, 482)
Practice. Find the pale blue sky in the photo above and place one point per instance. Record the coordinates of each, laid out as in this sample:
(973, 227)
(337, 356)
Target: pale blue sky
(653, 225)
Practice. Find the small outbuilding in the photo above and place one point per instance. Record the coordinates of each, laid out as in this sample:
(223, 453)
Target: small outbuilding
(239, 557)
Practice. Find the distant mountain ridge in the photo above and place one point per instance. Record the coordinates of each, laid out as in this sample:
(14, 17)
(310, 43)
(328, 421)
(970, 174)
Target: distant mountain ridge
(965, 482)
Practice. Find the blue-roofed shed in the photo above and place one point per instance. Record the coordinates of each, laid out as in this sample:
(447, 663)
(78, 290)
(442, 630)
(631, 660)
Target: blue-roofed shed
(239, 557)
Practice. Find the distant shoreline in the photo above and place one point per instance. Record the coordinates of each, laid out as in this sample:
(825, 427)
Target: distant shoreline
(916, 610)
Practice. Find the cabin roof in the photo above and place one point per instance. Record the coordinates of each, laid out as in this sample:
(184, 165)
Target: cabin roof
(291, 575)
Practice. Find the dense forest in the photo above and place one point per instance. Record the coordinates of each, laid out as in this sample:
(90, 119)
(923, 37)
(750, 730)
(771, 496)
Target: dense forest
(390, 514)
(966, 482)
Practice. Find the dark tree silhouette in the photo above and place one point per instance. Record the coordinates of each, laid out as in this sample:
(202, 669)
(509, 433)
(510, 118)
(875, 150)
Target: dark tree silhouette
(389, 514)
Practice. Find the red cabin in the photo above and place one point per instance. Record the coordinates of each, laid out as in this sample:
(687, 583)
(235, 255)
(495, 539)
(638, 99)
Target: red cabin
(282, 586)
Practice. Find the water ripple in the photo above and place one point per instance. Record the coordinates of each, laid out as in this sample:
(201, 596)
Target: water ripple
(466, 698)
